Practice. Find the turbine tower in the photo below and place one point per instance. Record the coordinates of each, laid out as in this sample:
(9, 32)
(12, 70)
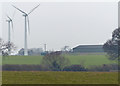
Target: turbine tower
(26, 15)
(45, 47)
(10, 24)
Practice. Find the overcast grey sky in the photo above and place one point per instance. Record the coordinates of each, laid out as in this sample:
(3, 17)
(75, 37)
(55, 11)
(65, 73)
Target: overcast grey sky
(62, 23)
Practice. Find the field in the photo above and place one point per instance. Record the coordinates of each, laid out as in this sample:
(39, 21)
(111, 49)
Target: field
(59, 77)
(50, 77)
(90, 59)
(86, 60)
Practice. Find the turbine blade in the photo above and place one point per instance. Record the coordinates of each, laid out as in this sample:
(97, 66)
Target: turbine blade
(33, 9)
(28, 24)
(19, 9)
(9, 17)
(13, 15)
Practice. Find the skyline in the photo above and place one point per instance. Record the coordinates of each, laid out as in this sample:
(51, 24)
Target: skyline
(66, 16)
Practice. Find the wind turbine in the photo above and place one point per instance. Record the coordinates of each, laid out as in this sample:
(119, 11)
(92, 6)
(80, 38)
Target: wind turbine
(10, 24)
(26, 15)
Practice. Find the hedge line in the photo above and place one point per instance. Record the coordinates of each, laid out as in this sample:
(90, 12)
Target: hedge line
(105, 67)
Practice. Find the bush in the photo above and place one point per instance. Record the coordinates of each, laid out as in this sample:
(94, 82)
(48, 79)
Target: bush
(75, 68)
(55, 61)
(24, 68)
(104, 67)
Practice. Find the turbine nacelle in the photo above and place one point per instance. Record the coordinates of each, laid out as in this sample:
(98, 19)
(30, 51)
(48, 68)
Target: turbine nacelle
(25, 14)
(8, 20)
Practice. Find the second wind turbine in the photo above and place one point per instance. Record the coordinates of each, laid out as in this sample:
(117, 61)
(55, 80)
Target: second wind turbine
(10, 24)
(26, 23)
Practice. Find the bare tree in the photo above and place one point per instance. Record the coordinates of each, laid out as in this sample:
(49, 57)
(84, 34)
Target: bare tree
(66, 48)
(6, 47)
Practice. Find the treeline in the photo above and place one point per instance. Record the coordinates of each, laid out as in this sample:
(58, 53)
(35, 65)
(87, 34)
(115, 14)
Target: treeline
(105, 67)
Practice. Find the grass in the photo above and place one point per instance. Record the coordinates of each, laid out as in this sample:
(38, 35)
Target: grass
(22, 60)
(86, 60)
(14, 77)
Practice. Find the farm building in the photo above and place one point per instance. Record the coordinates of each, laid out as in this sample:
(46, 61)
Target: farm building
(32, 51)
(88, 49)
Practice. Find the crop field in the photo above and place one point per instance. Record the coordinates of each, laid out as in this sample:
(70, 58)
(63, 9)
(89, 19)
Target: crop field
(86, 60)
(15, 77)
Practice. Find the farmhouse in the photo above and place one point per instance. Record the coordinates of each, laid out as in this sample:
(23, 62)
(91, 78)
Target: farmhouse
(88, 49)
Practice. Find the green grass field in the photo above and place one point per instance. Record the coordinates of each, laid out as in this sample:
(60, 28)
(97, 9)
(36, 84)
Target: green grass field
(86, 60)
(15, 77)
(50, 77)
(22, 60)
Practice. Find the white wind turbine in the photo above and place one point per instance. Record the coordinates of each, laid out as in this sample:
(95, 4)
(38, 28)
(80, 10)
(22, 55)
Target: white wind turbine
(10, 24)
(26, 23)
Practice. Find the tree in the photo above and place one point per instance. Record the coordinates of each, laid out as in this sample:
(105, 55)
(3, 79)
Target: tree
(112, 46)
(66, 49)
(55, 61)
(6, 47)
(21, 52)
(111, 49)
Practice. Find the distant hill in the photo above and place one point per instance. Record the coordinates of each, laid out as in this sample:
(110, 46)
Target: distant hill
(88, 49)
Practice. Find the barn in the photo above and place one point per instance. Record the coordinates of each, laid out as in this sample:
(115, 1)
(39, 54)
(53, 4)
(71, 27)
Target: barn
(88, 49)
